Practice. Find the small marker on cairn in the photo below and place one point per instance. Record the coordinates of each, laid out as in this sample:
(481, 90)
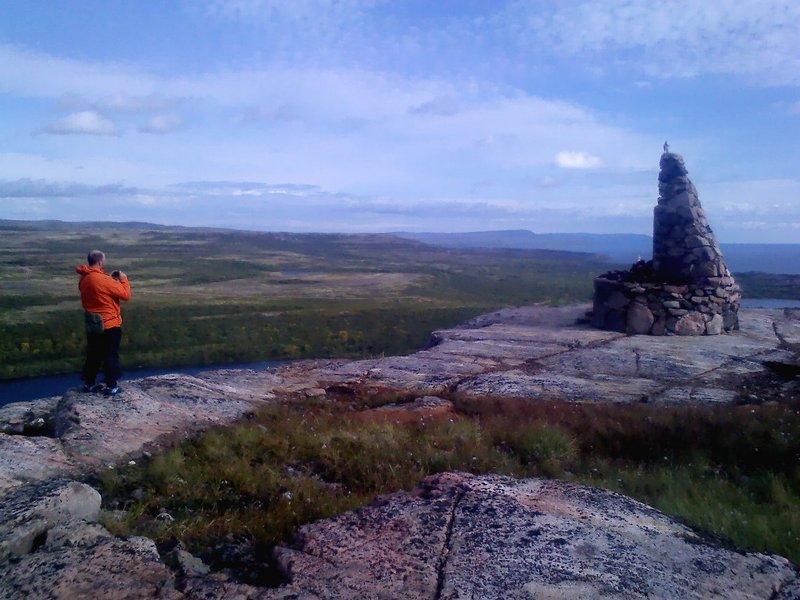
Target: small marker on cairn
(687, 288)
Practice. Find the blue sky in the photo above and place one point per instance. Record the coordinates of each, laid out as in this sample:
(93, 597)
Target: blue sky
(373, 115)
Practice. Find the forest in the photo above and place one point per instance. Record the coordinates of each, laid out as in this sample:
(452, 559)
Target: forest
(209, 296)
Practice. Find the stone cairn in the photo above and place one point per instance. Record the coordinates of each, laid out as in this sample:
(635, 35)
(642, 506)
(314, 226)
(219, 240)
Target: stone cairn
(686, 289)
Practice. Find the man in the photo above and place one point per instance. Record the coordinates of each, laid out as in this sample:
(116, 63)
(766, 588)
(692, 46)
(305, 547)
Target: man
(100, 296)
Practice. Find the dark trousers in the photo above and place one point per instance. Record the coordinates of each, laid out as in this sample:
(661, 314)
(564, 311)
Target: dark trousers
(102, 350)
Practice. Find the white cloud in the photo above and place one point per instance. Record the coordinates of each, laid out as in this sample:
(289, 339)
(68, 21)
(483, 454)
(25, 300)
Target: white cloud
(85, 122)
(161, 124)
(576, 160)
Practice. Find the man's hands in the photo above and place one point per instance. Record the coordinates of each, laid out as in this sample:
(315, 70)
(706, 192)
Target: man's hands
(119, 275)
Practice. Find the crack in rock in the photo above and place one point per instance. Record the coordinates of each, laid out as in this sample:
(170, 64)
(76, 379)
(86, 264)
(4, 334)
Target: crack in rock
(446, 547)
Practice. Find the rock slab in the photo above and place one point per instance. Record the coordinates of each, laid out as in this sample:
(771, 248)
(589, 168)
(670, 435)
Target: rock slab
(491, 537)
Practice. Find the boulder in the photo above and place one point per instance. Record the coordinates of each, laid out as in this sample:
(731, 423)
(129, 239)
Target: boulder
(714, 326)
(640, 319)
(465, 536)
(110, 569)
(690, 324)
(35, 417)
(29, 513)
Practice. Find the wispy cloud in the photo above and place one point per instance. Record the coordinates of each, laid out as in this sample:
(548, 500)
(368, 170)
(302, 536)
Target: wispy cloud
(676, 39)
(680, 38)
(85, 122)
(442, 106)
(116, 103)
(42, 188)
(36, 74)
(162, 124)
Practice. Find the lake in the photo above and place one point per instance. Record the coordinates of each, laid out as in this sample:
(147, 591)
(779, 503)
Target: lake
(769, 303)
(30, 388)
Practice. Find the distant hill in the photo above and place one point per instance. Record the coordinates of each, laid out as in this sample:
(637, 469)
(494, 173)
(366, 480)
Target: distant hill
(617, 248)
(623, 248)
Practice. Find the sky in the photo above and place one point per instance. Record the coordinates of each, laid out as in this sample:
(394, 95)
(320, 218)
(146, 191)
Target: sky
(390, 115)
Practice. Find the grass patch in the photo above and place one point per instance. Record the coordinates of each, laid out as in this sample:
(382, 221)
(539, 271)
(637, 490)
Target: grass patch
(757, 512)
(254, 483)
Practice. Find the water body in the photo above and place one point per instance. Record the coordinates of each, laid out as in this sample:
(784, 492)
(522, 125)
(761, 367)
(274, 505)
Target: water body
(769, 303)
(30, 388)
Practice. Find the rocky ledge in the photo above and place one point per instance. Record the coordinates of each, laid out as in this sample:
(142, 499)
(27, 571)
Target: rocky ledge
(457, 536)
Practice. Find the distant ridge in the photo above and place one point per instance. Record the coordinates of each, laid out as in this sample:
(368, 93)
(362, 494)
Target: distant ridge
(618, 248)
(622, 248)
(53, 224)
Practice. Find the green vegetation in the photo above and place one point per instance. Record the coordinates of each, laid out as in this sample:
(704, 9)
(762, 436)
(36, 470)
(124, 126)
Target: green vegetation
(203, 296)
(769, 285)
(730, 471)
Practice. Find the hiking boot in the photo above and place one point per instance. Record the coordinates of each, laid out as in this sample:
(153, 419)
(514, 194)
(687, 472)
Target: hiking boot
(93, 388)
(113, 391)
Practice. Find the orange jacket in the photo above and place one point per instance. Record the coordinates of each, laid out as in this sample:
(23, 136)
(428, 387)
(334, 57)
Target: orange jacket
(101, 293)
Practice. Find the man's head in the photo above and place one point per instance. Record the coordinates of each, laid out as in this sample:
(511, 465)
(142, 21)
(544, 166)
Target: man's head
(96, 258)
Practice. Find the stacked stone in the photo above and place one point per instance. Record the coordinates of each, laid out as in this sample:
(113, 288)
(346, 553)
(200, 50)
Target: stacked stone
(663, 309)
(690, 290)
(685, 249)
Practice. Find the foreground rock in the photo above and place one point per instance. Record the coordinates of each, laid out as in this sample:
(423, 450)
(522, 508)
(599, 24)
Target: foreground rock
(31, 459)
(96, 429)
(27, 516)
(455, 536)
(491, 537)
(51, 546)
(102, 567)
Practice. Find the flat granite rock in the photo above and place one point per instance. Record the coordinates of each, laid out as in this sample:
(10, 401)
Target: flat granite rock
(491, 537)
(95, 429)
(27, 459)
(550, 385)
(552, 353)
